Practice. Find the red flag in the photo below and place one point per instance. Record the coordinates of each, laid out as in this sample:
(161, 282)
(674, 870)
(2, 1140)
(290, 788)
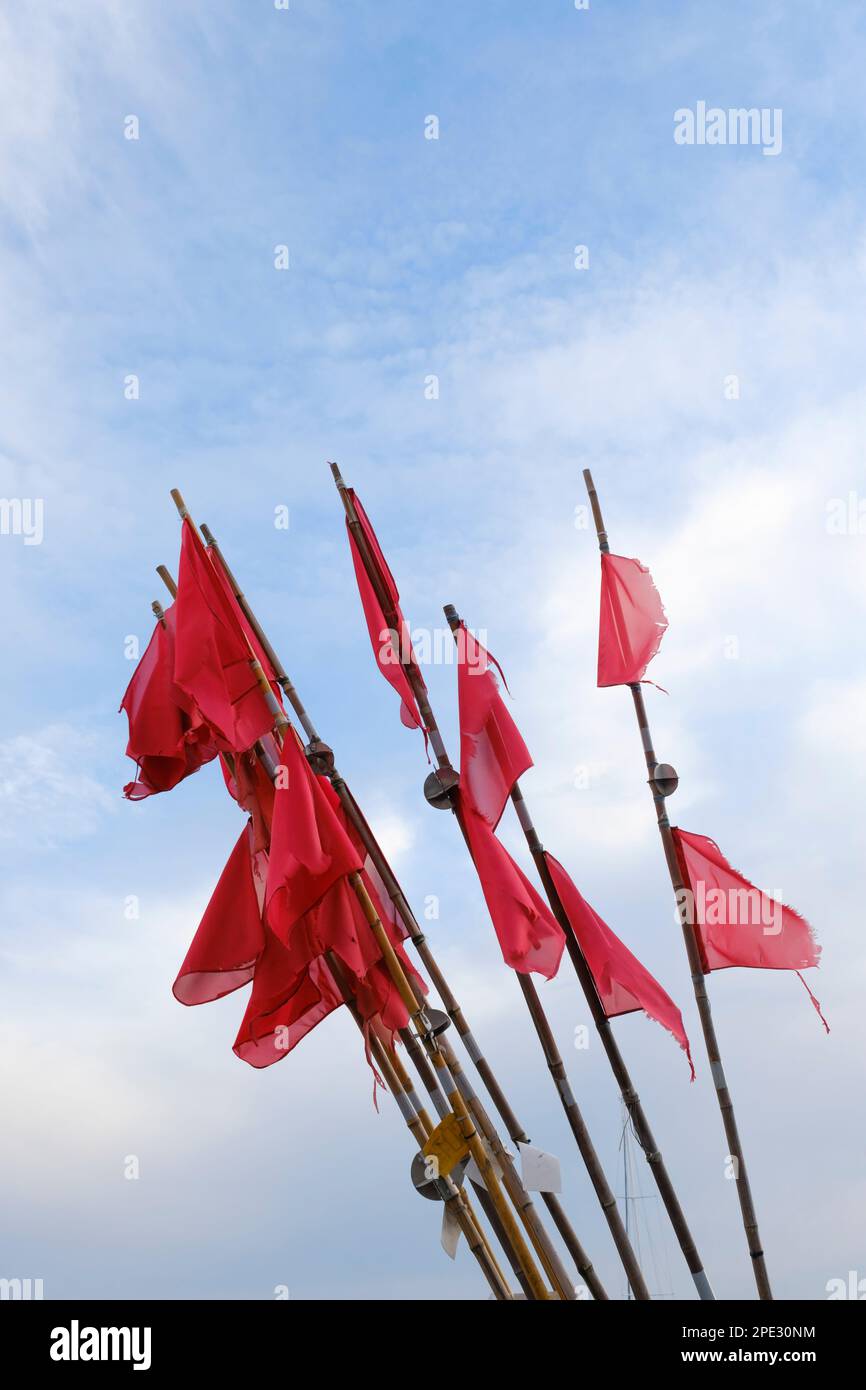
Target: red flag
(623, 984)
(530, 937)
(337, 923)
(492, 757)
(370, 875)
(244, 623)
(382, 634)
(309, 849)
(293, 987)
(308, 904)
(492, 752)
(632, 621)
(212, 657)
(253, 790)
(736, 923)
(230, 937)
(285, 1005)
(168, 738)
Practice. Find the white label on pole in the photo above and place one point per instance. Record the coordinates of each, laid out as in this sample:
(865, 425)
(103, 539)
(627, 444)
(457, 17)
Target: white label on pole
(450, 1231)
(541, 1171)
(473, 1173)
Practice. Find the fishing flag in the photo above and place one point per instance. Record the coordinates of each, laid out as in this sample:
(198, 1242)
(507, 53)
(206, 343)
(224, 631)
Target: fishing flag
(244, 622)
(286, 1004)
(492, 752)
(230, 937)
(309, 849)
(251, 787)
(530, 938)
(294, 986)
(736, 923)
(309, 905)
(283, 910)
(212, 656)
(623, 984)
(168, 737)
(372, 879)
(492, 757)
(390, 639)
(632, 621)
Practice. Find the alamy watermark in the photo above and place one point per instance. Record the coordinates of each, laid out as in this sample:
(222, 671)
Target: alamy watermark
(23, 516)
(77, 1343)
(734, 907)
(736, 125)
(23, 1290)
(846, 516)
(431, 647)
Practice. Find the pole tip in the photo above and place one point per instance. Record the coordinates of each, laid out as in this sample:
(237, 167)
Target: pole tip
(165, 575)
(452, 617)
(177, 499)
(158, 610)
(335, 470)
(207, 533)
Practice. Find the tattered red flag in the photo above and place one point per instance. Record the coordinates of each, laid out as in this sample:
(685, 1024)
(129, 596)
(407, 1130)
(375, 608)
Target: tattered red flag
(623, 984)
(309, 848)
(286, 1004)
(168, 737)
(632, 621)
(230, 937)
(212, 656)
(293, 986)
(253, 790)
(492, 752)
(530, 938)
(391, 642)
(492, 757)
(372, 879)
(736, 923)
(244, 622)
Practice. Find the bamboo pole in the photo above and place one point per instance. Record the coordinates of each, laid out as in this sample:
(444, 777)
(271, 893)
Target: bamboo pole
(322, 757)
(428, 1080)
(398, 1083)
(415, 1009)
(167, 579)
(449, 782)
(397, 1080)
(723, 1095)
(630, 1097)
(419, 1126)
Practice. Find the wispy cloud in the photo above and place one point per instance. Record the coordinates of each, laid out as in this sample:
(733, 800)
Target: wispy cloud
(409, 258)
(48, 794)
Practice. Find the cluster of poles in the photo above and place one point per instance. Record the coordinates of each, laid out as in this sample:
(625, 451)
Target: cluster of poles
(462, 1156)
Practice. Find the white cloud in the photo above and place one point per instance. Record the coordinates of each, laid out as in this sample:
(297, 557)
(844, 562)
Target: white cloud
(48, 793)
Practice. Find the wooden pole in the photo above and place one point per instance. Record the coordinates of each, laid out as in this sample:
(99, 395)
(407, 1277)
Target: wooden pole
(630, 1097)
(415, 1009)
(723, 1095)
(167, 579)
(553, 1058)
(398, 1083)
(428, 1080)
(322, 758)
(419, 1126)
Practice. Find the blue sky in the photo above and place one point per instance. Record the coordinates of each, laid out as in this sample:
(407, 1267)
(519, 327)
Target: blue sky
(410, 258)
